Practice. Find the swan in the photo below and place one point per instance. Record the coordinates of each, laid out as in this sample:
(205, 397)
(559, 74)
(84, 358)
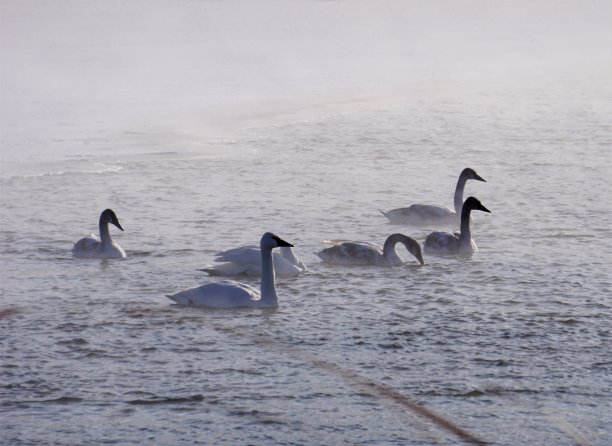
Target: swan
(420, 214)
(246, 260)
(230, 294)
(459, 242)
(364, 253)
(104, 248)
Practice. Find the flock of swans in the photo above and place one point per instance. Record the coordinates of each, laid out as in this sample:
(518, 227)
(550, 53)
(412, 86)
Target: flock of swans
(261, 261)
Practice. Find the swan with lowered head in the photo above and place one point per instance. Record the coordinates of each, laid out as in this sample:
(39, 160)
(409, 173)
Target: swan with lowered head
(104, 248)
(231, 294)
(459, 242)
(246, 260)
(363, 253)
(422, 214)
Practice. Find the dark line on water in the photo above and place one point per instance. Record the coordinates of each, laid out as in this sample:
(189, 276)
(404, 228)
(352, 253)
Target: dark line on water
(7, 312)
(372, 387)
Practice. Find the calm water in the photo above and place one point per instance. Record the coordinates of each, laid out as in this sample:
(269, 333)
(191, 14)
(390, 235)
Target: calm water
(513, 345)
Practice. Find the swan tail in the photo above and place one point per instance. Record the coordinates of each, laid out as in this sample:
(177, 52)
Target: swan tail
(173, 298)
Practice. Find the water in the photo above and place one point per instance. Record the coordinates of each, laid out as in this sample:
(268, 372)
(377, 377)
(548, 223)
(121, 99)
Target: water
(512, 346)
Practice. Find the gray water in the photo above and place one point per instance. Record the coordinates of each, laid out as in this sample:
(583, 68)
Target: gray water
(513, 345)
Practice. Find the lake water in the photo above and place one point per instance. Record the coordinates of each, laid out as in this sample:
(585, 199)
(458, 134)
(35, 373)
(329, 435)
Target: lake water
(309, 137)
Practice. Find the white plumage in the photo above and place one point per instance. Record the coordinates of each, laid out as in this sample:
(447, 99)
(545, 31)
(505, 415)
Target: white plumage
(230, 294)
(246, 260)
(103, 248)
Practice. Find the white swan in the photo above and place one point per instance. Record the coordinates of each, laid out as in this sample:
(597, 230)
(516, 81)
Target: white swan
(231, 294)
(421, 214)
(364, 253)
(460, 242)
(104, 248)
(246, 260)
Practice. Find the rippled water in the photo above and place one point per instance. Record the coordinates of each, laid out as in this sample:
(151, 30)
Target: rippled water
(513, 345)
(204, 124)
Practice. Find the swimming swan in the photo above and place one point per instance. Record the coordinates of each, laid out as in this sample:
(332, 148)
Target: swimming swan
(104, 248)
(363, 253)
(246, 260)
(460, 242)
(420, 214)
(231, 294)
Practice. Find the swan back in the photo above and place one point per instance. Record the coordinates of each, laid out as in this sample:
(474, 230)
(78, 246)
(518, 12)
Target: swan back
(351, 253)
(246, 260)
(364, 253)
(227, 294)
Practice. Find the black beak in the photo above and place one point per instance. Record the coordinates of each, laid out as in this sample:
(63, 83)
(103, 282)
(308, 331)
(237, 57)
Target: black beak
(479, 178)
(482, 208)
(281, 242)
(116, 223)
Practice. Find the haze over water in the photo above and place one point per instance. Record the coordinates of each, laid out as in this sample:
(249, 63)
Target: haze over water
(204, 124)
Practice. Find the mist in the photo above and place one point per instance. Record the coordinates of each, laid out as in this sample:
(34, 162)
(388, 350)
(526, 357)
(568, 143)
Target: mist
(90, 70)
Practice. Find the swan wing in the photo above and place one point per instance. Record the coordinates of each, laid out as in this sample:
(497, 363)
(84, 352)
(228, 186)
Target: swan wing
(420, 214)
(227, 294)
(87, 247)
(442, 243)
(232, 269)
(286, 252)
(246, 260)
(351, 253)
(340, 242)
(432, 212)
(242, 254)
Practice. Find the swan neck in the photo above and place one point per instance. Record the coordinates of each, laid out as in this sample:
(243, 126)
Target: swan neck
(465, 224)
(458, 201)
(105, 237)
(268, 287)
(389, 247)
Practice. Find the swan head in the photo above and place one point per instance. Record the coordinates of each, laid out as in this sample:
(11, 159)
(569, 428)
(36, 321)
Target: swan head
(475, 204)
(414, 248)
(411, 245)
(109, 216)
(270, 240)
(470, 174)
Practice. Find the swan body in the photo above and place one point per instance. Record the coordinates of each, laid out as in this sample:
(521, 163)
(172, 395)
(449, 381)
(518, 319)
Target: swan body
(230, 294)
(422, 214)
(103, 248)
(246, 260)
(457, 243)
(364, 253)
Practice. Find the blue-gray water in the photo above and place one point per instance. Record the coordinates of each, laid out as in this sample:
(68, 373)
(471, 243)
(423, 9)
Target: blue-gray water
(513, 345)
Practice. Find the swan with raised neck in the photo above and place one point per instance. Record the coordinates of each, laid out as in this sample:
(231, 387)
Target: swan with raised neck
(106, 247)
(420, 214)
(459, 242)
(230, 294)
(364, 253)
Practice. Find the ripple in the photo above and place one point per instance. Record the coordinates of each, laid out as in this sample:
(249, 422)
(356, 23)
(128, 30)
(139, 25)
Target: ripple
(167, 400)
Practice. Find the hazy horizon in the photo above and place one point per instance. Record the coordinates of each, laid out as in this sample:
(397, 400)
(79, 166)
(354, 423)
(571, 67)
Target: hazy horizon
(203, 69)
